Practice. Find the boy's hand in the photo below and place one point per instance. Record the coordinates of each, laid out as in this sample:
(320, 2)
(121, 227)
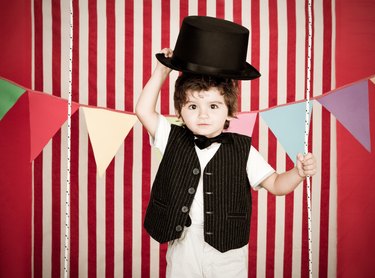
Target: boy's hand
(306, 165)
(168, 53)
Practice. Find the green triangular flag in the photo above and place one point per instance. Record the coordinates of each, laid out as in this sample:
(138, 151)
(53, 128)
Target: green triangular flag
(9, 94)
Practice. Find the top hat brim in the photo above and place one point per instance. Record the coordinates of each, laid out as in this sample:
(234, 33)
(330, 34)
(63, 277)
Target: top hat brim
(247, 73)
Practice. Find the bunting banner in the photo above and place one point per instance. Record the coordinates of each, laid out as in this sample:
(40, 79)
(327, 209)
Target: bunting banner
(107, 131)
(351, 108)
(287, 122)
(114, 43)
(9, 94)
(47, 115)
(243, 123)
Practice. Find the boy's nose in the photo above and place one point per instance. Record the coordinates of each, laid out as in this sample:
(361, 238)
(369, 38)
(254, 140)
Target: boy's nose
(203, 114)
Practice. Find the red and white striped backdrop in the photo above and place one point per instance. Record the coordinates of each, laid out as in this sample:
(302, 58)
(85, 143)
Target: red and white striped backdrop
(113, 56)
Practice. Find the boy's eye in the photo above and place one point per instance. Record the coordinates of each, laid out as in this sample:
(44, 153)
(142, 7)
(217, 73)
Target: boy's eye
(214, 106)
(192, 107)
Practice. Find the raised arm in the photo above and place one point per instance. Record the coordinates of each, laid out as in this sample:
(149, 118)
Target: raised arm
(146, 105)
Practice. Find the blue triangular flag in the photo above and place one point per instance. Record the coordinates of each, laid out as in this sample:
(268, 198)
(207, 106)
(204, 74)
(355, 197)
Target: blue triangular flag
(287, 123)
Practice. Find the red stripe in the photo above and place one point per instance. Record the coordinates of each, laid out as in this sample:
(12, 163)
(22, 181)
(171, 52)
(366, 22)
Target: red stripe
(165, 43)
(237, 18)
(111, 100)
(38, 161)
(272, 143)
(291, 97)
(56, 142)
(326, 127)
(74, 166)
(128, 148)
(91, 179)
(220, 9)
(146, 151)
(255, 61)
(184, 9)
(202, 8)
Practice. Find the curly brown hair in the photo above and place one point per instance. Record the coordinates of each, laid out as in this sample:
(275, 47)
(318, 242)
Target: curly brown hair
(227, 87)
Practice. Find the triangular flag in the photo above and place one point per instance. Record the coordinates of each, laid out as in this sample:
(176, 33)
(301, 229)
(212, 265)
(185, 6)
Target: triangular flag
(9, 94)
(351, 108)
(243, 124)
(47, 115)
(107, 130)
(373, 80)
(287, 123)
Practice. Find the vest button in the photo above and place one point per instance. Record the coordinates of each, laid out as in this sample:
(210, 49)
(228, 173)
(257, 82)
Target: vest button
(196, 171)
(184, 209)
(178, 228)
(191, 190)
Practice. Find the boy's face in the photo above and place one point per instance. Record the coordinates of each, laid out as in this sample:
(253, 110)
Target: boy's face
(205, 112)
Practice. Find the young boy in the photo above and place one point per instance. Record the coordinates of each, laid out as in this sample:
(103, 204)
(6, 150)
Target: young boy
(201, 200)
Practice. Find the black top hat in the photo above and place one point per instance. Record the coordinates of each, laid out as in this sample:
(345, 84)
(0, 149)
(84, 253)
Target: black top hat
(211, 46)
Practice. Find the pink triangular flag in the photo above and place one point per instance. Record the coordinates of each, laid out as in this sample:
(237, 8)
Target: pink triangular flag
(47, 114)
(107, 130)
(243, 124)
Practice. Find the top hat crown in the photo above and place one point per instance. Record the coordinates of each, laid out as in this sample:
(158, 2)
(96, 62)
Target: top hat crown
(211, 46)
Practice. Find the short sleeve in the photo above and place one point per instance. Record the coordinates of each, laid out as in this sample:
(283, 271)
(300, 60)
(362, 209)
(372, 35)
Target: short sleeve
(257, 168)
(161, 135)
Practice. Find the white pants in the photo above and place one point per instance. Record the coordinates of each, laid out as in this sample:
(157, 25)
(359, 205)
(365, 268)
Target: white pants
(190, 256)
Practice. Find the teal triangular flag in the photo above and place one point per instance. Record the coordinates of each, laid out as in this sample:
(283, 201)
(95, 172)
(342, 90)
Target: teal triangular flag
(9, 94)
(287, 123)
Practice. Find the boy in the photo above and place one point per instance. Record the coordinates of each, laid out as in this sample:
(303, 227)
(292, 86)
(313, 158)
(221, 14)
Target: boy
(201, 200)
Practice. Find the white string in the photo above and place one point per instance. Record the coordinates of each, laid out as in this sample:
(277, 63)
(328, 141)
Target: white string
(307, 128)
(67, 192)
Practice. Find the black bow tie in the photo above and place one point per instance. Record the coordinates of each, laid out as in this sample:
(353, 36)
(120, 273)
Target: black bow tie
(203, 142)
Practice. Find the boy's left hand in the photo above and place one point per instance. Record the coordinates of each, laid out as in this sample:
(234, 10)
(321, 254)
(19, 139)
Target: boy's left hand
(306, 165)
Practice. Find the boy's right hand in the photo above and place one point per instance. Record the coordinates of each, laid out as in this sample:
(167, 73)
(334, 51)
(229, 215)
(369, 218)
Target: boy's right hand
(168, 53)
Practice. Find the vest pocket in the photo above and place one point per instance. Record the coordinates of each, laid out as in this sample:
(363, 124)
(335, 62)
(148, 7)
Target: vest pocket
(159, 203)
(236, 215)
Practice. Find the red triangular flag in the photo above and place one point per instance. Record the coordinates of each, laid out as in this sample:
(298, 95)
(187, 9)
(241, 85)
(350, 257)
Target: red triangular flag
(47, 114)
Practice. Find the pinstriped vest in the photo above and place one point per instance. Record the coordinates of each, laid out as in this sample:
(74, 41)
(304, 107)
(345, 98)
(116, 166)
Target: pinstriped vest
(227, 195)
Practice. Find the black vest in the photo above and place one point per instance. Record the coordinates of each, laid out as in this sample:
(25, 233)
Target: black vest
(226, 190)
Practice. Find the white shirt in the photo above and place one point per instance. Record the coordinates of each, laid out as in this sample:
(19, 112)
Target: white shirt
(257, 168)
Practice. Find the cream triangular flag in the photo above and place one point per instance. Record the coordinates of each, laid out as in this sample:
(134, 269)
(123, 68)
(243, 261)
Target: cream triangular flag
(107, 130)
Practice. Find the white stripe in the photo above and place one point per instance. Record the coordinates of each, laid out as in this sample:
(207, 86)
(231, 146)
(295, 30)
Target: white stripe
(120, 54)
(282, 53)
(65, 75)
(263, 137)
(318, 41)
(174, 30)
(119, 158)
(137, 154)
(300, 50)
(82, 195)
(332, 223)
(245, 85)
(332, 229)
(193, 7)
(155, 46)
(228, 10)
(211, 8)
(83, 141)
(300, 94)
(119, 213)
(47, 151)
